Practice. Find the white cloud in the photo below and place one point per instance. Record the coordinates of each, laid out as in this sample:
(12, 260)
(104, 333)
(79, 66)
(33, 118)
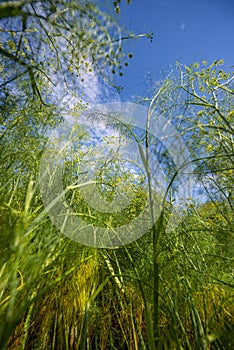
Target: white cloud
(182, 26)
(87, 88)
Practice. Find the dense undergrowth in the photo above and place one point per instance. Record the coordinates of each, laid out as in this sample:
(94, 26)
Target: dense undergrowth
(165, 291)
(57, 294)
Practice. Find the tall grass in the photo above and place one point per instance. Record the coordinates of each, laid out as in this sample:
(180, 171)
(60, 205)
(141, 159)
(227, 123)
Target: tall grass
(164, 291)
(56, 294)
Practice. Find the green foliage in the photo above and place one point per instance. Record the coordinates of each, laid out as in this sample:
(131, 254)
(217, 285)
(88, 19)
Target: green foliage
(57, 40)
(117, 3)
(173, 290)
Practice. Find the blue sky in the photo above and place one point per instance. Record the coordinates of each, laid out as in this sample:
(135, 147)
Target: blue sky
(184, 31)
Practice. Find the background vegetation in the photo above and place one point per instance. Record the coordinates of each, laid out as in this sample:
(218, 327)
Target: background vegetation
(163, 291)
